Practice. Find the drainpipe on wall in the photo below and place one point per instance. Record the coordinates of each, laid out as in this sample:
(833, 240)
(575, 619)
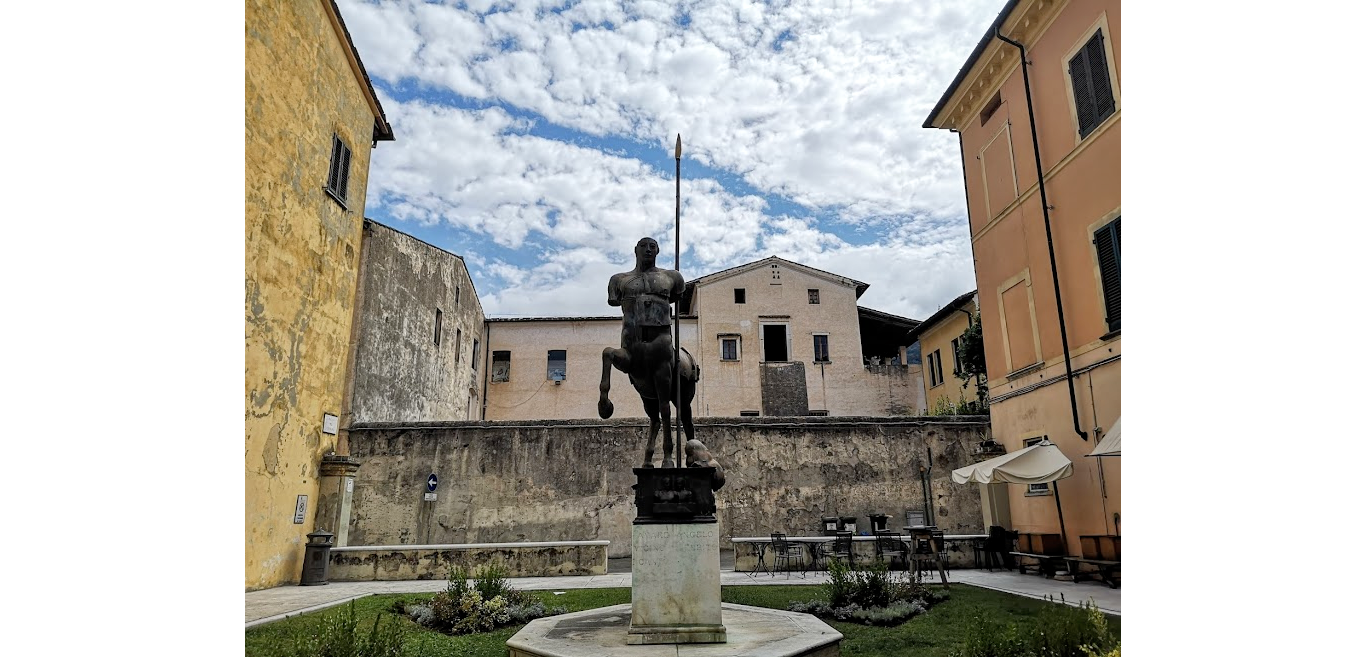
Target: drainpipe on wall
(925, 474)
(1048, 231)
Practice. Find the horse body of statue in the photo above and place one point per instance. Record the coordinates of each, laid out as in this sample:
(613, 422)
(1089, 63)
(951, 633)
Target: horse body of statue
(645, 295)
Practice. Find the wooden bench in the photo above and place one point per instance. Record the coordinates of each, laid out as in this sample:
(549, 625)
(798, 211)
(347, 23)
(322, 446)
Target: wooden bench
(1106, 569)
(1048, 564)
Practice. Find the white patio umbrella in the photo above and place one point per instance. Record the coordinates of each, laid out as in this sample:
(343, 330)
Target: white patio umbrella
(1041, 463)
(1108, 446)
(1109, 443)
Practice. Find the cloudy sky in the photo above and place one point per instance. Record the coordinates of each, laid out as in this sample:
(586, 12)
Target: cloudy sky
(535, 139)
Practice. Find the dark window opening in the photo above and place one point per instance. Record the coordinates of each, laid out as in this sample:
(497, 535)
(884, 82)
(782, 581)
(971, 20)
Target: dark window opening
(474, 355)
(957, 367)
(992, 105)
(730, 349)
(1036, 489)
(555, 365)
(739, 295)
(749, 413)
(934, 365)
(813, 296)
(775, 342)
(457, 346)
(502, 366)
(775, 277)
(436, 338)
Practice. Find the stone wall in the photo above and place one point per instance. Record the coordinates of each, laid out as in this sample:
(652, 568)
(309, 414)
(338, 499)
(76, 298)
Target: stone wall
(571, 479)
(783, 389)
(390, 563)
(403, 371)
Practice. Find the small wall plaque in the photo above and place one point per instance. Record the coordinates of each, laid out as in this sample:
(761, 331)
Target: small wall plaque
(329, 424)
(429, 497)
(300, 509)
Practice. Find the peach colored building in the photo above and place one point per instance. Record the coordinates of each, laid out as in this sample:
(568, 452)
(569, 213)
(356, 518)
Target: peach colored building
(938, 337)
(773, 337)
(1022, 233)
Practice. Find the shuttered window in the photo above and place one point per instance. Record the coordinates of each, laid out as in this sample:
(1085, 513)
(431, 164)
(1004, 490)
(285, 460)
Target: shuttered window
(339, 171)
(1091, 85)
(1107, 256)
(821, 347)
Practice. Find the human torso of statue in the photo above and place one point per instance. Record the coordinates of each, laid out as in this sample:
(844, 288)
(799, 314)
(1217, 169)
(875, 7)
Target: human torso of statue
(645, 296)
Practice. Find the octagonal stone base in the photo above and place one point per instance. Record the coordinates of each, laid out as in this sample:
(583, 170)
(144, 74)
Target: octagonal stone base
(753, 631)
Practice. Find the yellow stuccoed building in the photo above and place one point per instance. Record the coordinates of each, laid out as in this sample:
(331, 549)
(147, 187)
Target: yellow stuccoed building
(312, 117)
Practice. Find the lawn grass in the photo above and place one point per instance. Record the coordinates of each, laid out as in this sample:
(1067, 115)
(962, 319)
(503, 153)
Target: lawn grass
(938, 632)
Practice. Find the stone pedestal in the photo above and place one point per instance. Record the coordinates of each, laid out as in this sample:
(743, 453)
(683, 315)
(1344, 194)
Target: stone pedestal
(675, 558)
(676, 584)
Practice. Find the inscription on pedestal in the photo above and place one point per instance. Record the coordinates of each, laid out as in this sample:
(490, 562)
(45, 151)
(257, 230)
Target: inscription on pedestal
(675, 584)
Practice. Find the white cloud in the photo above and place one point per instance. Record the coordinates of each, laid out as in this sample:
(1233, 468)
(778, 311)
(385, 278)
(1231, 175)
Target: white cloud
(828, 118)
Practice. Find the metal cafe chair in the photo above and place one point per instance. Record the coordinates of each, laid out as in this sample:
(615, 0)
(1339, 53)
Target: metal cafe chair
(889, 545)
(784, 551)
(841, 548)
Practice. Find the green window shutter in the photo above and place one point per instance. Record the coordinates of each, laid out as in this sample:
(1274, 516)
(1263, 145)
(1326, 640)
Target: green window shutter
(345, 176)
(1107, 255)
(1101, 92)
(1095, 98)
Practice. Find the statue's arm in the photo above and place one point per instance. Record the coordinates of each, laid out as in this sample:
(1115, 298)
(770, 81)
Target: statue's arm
(676, 286)
(614, 291)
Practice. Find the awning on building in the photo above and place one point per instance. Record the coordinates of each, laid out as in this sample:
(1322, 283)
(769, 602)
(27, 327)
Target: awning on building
(1109, 443)
(1036, 464)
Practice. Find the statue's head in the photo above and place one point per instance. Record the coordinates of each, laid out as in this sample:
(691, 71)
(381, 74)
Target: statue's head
(646, 250)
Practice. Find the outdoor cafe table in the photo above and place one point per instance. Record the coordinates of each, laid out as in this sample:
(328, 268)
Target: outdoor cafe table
(813, 543)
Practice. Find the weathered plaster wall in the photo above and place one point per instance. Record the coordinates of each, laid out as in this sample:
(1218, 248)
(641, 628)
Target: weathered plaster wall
(571, 480)
(882, 390)
(736, 385)
(402, 374)
(529, 394)
(302, 253)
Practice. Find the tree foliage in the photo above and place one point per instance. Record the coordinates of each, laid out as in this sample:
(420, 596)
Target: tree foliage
(972, 359)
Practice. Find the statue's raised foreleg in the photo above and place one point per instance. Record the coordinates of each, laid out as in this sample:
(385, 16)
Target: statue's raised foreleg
(619, 358)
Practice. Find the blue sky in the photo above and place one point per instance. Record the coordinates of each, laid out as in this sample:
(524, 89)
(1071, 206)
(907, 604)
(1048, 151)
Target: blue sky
(536, 140)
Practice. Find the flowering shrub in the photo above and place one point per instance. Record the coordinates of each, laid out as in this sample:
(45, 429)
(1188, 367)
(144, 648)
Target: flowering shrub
(871, 596)
(489, 604)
